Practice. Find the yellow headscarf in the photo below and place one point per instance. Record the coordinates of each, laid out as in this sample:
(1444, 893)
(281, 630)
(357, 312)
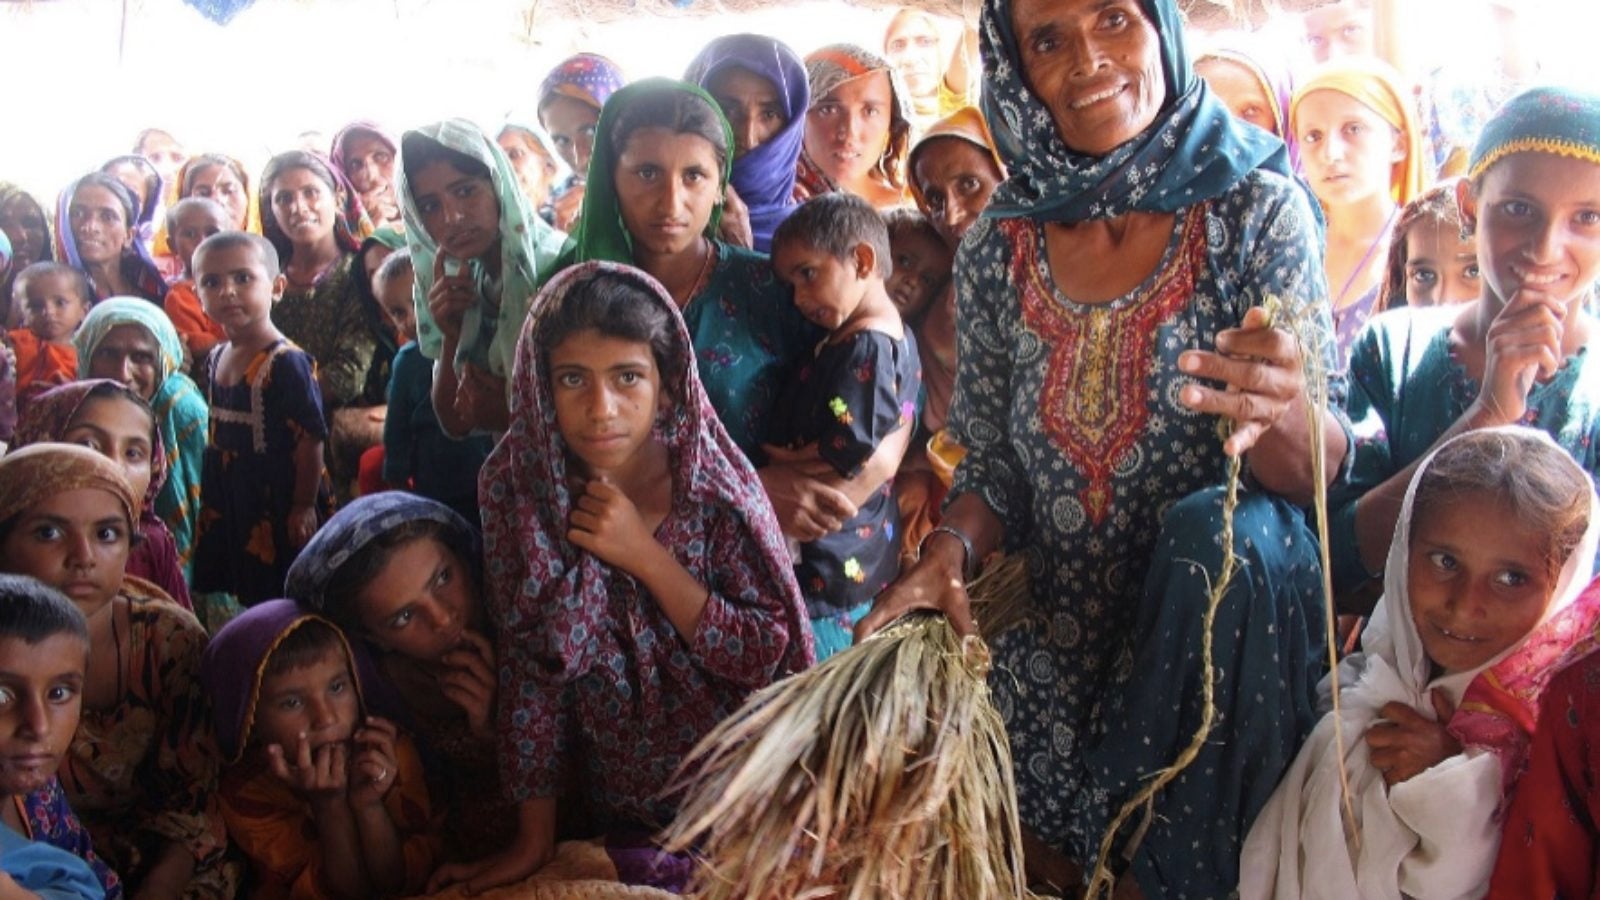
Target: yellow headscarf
(1383, 90)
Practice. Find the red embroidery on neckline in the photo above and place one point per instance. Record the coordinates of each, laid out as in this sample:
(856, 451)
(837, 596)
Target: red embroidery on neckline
(1101, 357)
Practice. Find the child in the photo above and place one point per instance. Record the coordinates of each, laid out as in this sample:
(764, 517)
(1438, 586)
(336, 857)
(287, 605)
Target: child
(1436, 711)
(417, 454)
(642, 586)
(921, 263)
(54, 299)
(1433, 260)
(190, 221)
(263, 489)
(44, 654)
(1343, 28)
(325, 800)
(861, 386)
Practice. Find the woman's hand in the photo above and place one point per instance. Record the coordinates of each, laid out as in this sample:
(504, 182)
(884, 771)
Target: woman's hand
(567, 207)
(1260, 369)
(449, 298)
(469, 681)
(735, 226)
(373, 770)
(318, 775)
(605, 522)
(807, 507)
(1523, 346)
(1404, 743)
(935, 582)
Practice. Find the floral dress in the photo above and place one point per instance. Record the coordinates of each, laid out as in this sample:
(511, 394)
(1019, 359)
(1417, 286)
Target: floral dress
(47, 817)
(326, 320)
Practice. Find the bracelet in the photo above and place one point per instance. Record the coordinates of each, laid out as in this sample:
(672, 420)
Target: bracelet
(969, 562)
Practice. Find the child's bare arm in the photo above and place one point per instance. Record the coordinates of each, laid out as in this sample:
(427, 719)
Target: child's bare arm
(445, 387)
(307, 480)
(372, 775)
(322, 777)
(1404, 743)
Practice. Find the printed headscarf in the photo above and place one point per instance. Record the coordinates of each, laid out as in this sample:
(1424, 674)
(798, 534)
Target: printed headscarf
(528, 247)
(1378, 87)
(1195, 149)
(1556, 120)
(35, 473)
(764, 176)
(965, 124)
(833, 65)
(350, 223)
(136, 264)
(48, 416)
(586, 77)
(1270, 68)
(340, 145)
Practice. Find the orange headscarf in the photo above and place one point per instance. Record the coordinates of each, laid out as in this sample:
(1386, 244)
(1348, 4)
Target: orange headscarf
(966, 123)
(1383, 90)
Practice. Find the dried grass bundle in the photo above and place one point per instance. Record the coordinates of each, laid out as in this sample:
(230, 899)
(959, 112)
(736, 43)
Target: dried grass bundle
(883, 772)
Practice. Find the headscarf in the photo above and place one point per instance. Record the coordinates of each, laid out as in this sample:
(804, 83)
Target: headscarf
(180, 409)
(236, 660)
(1195, 149)
(587, 77)
(136, 264)
(1381, 89)
(10, 192)
(35, 473)
(48, 416)
(1437, 830)
(600, 234)
(358, 524)
(338, 147)
(1555, 120)
(530, 126)
(1271, 70)
(764, 176)
(155, 190)
(527, 246)
(252, 216)
(924, 108)
(833, 65)
(350, 223)
(528, 497)
(965, 124)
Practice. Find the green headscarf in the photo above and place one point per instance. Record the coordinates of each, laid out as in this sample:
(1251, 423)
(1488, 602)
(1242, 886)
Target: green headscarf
(528, 250)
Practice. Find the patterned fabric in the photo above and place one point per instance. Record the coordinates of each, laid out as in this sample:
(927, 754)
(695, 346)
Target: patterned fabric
(247, 483)
(1378, 87)
(1407, 389)
(587, 77)
(33, 474)
(144, 772)
(137, 268)
(829, 67)
(336, 154)
(47, 817)
(764, 175)
(327, 320)
(1196, 150)
(593, 674)
(1270, 68)
(45, 870)
(417, 454)
(528, 248)
(854, 394)
(1548, 119)
(350, 224)
(1456, 101)
(179, 407)
(1434, 834)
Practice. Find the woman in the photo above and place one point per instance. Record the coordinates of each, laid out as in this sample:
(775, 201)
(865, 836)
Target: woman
(538, 167)
(140, 178)
(935, 86)
(1256, 84)
(569, 106)
(27, 225)
(366, 154)
(130, 341)
(96, 233)
(857, 131)
(1119, 264)
(762, 88)
(223, 179)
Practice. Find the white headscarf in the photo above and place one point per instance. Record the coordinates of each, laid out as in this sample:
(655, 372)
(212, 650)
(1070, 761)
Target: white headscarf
(1432, 836)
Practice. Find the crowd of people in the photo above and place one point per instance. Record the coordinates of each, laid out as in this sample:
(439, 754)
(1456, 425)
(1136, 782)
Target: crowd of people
(399, 519)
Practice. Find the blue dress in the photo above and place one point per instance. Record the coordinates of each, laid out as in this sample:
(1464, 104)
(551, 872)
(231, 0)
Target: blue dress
(50, 820)
(417, 455)
(1079, 445)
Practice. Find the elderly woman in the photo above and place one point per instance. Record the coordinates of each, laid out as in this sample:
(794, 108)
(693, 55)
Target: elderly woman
(1107, 301)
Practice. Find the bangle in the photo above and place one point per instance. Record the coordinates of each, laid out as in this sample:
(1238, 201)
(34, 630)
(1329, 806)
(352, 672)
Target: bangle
(970, 556)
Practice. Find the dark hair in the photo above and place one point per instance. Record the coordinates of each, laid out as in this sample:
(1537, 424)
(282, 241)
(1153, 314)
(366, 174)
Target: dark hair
(418, 151)
(307, 642)
(80, 281)
(152, 178)
(188, 203)
(394, 265)
(1535, 482)
(209, 161)
(124, 197)
(345, 585)
(287, 162)
(835, 223)
(225, 240)
(1437, 204)
(907, 221)
(33, 611)
(616, 307)
(668, 105)
(116, 390)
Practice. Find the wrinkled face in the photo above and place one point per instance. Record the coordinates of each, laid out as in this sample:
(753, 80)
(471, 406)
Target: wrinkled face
(922, 265)
(1441, 267)
(368, 162)
(1348, 150)
(192, 226)
(827, 290)
(752, 105)
(912, 46)
(234, 287)
(41, 697)
(166, 154)
(25, 226)
(305, 206)
(394, 295)
(421, 602)
(955, 178)
(53, 309)
(571, 125)
(99, 224)
(458, 210)
(129, 354)
(1241, 91)
(1475, 594)
(118, 430)
(607, 394)
(222, 184)
(535, 169)
(318, 700)
(1339, 30)
(1538, 225)
(76, 542)
(848, 130)
(1096, 65)
(668, 184)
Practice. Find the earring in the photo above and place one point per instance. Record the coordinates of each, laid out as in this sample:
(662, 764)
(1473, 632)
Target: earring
(1466, 231)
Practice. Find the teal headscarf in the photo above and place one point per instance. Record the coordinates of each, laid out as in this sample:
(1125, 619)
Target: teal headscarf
(1543, 120)
(180, 410)
(528, 250)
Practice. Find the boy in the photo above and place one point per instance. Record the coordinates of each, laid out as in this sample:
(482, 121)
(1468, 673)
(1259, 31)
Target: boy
(55, 299)
(190, 221)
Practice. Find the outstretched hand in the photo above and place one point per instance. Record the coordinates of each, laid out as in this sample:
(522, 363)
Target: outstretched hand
(1259, 367)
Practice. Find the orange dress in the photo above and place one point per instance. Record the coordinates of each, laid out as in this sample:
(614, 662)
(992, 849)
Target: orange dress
(40, 365)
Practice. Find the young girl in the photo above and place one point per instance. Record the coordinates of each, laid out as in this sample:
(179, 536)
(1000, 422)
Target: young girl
(532, 154)
(1437, 711)
(324, 799)
(142, 769)
(1433, 260)
(570, 100)
(1363, 158)
(117, 423)
(477, 251)
(96, 233)
(644, 590)
(852, 85)
(263, 490)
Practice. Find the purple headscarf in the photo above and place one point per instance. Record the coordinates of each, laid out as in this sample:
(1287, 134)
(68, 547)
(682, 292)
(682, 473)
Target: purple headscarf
(587, 77)
(764, 177)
